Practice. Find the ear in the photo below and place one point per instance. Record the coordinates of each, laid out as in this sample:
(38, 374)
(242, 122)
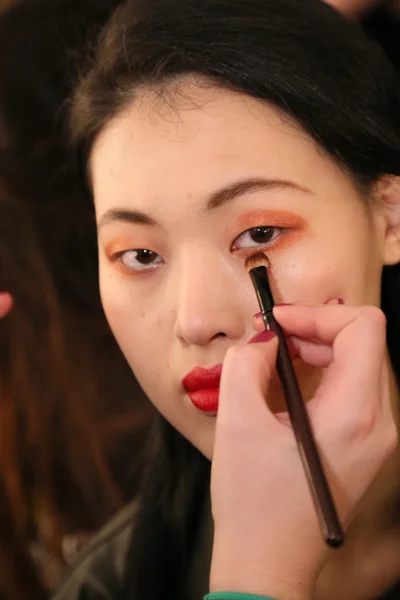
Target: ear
(387, 193)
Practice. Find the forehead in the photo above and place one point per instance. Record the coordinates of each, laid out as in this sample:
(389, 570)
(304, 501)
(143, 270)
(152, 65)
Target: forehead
(195, 138)
(186, 112)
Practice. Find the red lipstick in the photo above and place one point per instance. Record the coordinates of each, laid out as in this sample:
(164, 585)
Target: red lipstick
(202, 387)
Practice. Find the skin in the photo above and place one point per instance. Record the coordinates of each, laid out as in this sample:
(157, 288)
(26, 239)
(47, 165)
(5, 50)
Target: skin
(195, 304)
(180, 307)
(358, 8)
(5, 304)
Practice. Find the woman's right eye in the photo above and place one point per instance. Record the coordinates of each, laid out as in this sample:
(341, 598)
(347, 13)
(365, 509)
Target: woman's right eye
(138, 259)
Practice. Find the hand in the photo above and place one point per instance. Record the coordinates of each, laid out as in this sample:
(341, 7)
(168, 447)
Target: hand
(5, 304)
(267, 539)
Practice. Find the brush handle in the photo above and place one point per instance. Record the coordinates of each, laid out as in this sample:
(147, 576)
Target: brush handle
(317, 481)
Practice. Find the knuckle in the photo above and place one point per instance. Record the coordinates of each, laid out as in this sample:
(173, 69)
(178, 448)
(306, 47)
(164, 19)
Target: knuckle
(374, 315)
(370, 428)
(359, 427)
(391, 440)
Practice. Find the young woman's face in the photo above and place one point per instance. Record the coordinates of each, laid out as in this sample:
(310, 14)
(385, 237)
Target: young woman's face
(185, 191)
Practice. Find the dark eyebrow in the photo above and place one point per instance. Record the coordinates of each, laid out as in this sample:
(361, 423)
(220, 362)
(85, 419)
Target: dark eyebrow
(126, 216)
(216, 200)
(248, 186)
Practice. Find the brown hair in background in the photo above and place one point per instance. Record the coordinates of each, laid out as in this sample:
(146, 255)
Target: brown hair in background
(72, 416)
(56, 435)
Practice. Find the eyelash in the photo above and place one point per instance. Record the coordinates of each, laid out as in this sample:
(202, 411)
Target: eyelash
(275, 232)
(120, 256)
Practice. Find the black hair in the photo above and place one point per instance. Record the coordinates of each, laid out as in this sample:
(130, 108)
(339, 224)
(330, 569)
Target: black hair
(301, 57)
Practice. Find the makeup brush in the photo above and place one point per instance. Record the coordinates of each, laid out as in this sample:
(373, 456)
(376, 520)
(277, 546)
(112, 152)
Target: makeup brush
(257, 266)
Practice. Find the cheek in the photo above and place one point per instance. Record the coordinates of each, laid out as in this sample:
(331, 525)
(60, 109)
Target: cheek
(125, 316)
(137, 329)
(302, 277)
(329, 265)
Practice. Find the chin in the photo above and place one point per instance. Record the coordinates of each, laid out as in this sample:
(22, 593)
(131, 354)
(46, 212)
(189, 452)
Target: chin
(204, 439)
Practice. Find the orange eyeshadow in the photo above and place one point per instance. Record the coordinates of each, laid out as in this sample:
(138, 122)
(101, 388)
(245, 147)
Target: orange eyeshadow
(293, 225)
(119, 244)
(272, 218)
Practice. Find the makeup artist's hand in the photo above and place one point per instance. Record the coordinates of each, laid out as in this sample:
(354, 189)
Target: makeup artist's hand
(5, 304)
(267, 539)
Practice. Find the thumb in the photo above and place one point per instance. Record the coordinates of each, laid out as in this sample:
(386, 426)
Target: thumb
(245, 378)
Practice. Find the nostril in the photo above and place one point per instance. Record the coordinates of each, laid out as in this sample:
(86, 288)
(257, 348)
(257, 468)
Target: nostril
(220, 334)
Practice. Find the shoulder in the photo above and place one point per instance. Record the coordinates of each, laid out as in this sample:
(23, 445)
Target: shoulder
(97, 573)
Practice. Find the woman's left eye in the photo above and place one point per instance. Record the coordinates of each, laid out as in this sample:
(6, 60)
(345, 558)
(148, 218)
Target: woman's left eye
(256, 236)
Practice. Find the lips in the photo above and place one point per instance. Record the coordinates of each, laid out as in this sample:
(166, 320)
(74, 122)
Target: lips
(202, 387)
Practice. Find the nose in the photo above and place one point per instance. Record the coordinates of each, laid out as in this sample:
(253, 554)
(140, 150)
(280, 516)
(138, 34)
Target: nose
(210, 302)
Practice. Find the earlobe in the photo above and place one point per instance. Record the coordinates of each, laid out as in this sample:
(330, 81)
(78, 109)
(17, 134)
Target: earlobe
(387, 192)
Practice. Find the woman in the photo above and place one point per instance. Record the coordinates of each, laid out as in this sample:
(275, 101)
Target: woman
(211, 130)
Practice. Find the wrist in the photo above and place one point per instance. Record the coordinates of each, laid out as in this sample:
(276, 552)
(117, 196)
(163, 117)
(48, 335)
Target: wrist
(248, 570)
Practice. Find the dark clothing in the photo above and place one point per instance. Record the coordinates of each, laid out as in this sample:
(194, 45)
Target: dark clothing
(99, 572)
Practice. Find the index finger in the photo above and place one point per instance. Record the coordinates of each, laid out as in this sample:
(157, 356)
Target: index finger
(323, 322)
(352, 331)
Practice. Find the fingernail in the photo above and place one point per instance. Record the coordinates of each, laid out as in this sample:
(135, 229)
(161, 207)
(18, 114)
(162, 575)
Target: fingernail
(264, 336)
(258, 315)
(340, 301)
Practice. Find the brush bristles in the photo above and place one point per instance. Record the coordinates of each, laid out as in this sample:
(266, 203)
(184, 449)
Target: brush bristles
(257, 260)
